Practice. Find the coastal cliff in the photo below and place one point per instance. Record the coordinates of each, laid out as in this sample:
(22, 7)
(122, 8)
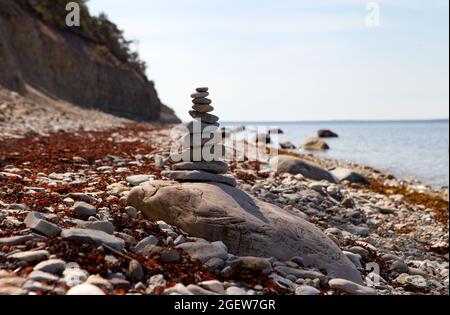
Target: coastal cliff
(39, 57)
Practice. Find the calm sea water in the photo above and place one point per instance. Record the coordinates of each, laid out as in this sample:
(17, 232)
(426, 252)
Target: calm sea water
(408, 149)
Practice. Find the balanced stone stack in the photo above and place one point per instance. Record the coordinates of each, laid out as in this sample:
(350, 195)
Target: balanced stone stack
(202, 151)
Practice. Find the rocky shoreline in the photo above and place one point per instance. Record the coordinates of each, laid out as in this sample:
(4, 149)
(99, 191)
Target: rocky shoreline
(67, 227)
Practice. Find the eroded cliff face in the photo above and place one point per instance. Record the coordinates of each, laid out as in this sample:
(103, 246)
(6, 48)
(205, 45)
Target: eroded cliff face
(65, 66)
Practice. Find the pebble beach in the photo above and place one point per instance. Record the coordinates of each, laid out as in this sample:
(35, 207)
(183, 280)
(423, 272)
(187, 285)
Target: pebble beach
(71, 221)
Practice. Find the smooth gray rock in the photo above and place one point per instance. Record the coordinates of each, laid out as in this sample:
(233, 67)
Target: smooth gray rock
(306, 290)
(198, 140)
(202, 89)
(203, 101)
(84, 209)
(344, 174)
(236, 291)
(203, 108)
(30, 256)
(136, 180)
(324, 133)
(36, 222)
(16, 240)
(85, 289)
(199, 176)
(167, 255)
(12, 291)
(135, 271)
(294, 166)
(354, 258)
(81, 197)
(205, 251)
(214, 286)
(54, 266)
(204, 117)
(357, 230)
(150, 240)
(252, 263)
(299, 273)
(415, 282)
(350, 287)
(199, 94)
(197, 127)
(196, 290)
(205, 153)
(104, 226)
(216, 167)
(315, 144)
(42, 276)
(246, 225)
(96, 237)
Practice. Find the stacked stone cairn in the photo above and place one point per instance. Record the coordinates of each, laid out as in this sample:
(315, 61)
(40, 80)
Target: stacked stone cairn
(200, 153)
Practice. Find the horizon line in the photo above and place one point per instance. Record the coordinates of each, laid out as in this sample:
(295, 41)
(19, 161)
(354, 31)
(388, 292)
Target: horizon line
(338, 120)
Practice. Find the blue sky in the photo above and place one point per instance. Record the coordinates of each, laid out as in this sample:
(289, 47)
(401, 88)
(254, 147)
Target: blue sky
(291, 60)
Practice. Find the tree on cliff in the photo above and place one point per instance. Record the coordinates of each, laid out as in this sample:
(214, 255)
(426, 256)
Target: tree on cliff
(107, 36)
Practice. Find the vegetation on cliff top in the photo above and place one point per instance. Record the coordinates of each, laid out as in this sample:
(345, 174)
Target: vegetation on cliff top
(107, 36)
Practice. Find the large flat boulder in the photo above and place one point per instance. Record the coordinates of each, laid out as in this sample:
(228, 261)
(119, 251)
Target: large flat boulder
(294, 166)
(247, 226)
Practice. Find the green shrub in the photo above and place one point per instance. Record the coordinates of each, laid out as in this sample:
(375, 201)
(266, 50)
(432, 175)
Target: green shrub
(107, 36)
(102, 51)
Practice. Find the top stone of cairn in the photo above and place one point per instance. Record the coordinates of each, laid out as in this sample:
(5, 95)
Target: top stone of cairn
(202, 89)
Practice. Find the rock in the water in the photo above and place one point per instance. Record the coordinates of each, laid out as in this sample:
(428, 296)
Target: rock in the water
(217, 167)
(246, 225)
(294, 166)
(350, 287)
(199, 176)
(324, 133)
(204, 117)
(85, 289)
(205, 251)
(288, 145)
(315, 144)
(36, 222)
(93, 236)
(84, 209)
(344, 174)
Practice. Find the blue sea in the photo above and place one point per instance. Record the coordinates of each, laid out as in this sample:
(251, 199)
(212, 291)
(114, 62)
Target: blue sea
(407, 149)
